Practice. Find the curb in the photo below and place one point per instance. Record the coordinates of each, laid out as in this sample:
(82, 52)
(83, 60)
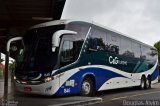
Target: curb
(80, 103)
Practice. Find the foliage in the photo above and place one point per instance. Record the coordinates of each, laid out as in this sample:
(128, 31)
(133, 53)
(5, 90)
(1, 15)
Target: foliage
(12, 69)
(12, 66)
(1, 72)
(157, 46)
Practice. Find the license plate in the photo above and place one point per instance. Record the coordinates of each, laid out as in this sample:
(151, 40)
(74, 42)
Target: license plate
(27, 89)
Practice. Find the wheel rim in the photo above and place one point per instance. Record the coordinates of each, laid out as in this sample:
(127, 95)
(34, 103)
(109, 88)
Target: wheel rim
(86, 88)
(142, 84)
(147, 83)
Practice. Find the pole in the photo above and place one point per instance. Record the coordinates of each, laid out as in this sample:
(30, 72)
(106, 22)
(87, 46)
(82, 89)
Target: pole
(0, 57)
(6, 72)
(6, 69)
(7, 65)
(6, 76)
(0, 64)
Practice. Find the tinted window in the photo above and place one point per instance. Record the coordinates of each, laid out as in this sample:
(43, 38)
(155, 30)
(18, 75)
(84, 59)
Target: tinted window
(153, 55)
(136, 50)
(67, 53)
(36, 50)
(97, 40)
(81, 30)
(126, 47)
(113, 43)
(144, 52)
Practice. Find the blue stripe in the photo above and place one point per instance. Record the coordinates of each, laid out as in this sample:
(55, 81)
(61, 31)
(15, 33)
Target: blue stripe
(102, 75)
(155, 73)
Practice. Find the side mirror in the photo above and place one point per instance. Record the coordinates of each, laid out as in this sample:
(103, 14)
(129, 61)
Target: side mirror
(11, 40)
(14, 48)
(56, 37)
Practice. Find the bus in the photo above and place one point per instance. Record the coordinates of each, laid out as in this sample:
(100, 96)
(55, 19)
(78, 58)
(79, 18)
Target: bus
(66, 57)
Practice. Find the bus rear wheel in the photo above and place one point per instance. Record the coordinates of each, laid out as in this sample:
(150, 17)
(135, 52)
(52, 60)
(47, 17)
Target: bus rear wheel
(148, 83)
(87, 88)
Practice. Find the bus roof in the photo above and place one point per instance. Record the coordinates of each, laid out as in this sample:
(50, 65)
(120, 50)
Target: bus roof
(59, 22)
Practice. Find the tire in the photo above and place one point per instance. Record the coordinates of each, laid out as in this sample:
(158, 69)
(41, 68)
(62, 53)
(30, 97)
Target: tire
(87, 88)
(143, 83)
(148, 83)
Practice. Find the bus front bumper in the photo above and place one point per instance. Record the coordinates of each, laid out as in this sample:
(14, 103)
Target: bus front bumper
(48, 88)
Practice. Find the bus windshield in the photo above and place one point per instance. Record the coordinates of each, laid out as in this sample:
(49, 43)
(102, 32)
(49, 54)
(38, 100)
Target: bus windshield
(36, 50)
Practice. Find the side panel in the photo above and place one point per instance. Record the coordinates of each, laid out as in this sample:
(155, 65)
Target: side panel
(106, 78)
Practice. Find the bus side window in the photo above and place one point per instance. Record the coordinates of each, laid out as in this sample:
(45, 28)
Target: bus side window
(96, 41)
(136, 50)
(67, 53)
(92, 44)
(126, 47)
(112, 43)
(145, 52)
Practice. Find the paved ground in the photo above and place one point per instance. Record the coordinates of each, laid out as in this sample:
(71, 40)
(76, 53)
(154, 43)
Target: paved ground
(119, 97)
(2, 87)
(20, 99)
(131, 97)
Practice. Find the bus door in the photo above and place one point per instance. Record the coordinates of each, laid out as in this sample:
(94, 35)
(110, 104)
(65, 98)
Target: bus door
(66, 53)
(67, 50)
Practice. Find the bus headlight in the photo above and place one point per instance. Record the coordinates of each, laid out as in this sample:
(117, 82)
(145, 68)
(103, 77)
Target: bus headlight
(47, 79)
(14, 78)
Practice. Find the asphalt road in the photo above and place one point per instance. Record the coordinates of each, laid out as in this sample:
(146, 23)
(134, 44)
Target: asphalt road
(131, 97)
(118, 97)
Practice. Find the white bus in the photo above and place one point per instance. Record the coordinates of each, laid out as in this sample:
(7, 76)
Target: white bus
(76, 57)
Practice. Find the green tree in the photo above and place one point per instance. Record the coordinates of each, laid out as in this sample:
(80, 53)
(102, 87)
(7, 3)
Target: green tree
(12, 68)
(157, 46)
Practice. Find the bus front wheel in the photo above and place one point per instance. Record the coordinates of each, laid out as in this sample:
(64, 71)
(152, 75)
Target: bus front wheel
(87, 88)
